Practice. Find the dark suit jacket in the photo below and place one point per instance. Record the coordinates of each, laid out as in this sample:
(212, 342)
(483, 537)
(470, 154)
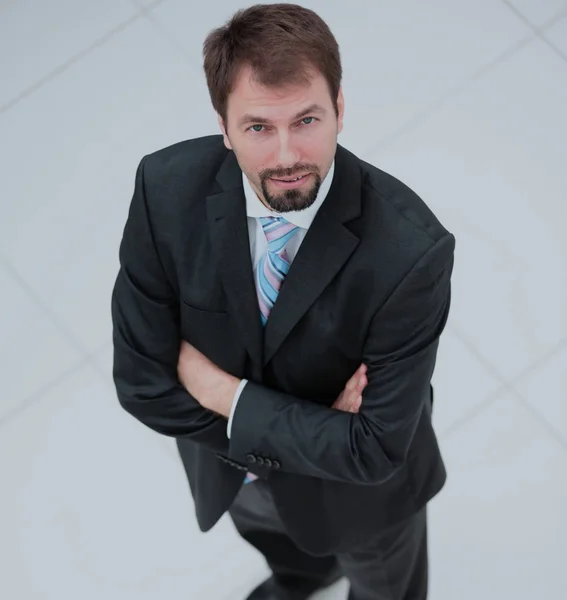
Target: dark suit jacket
(370, 283)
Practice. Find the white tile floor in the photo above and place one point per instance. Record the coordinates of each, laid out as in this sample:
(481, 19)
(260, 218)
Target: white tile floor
(463, 100)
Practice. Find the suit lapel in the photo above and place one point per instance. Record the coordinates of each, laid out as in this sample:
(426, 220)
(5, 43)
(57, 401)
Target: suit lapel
(327, 246)
(228, 227)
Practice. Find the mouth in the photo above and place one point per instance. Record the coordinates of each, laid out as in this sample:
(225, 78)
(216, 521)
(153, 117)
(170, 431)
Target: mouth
(290, 182)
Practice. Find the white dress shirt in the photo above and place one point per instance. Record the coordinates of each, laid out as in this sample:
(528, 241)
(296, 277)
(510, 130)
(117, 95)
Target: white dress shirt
(255, 208)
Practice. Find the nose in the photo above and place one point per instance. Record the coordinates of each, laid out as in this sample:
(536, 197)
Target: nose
(287, 152)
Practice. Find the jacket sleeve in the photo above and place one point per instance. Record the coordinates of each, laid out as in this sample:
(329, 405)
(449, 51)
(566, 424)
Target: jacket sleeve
(146, 337)
(312, 439)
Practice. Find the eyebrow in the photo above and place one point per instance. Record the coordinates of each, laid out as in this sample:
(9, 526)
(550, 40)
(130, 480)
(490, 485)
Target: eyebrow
(248, 118)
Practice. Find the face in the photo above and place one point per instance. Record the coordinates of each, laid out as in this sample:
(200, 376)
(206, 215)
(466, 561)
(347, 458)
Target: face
(284, 138)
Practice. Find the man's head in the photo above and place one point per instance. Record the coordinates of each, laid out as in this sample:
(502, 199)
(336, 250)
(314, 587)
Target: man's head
(274, 77)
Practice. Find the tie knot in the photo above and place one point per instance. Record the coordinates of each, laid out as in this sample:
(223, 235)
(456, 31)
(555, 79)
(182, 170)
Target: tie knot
(278, 232)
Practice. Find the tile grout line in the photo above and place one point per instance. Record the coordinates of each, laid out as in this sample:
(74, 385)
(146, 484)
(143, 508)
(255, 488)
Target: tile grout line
(553, 47)
(88, 359)
(558, 347)
(98, 368)
(473, 413)
(144, 11)
(512, 382)
(70, 62)
(519, 400)
(506, 385)
(138, 4)
(85, 357)
(33, 398)
(164, 33)
(537, 416)
(408, 125)
(554, 20)
(473, 350)
(30, 292)
(447, 96)
(539, 31)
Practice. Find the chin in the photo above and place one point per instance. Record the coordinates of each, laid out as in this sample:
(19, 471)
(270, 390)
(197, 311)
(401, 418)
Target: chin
(291, 200)
(288, 203)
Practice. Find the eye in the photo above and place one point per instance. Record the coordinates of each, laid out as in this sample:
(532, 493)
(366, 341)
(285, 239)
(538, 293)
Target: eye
(256, 128)
(310, 119)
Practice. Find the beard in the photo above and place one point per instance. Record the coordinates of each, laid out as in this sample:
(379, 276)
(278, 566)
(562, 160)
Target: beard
(291, 200)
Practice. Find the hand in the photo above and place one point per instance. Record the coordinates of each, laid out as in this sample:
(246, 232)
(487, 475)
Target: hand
(212, 387)
(350, 398)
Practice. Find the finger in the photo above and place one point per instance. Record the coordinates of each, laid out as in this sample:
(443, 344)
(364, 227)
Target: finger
(355, 378)
(341, 406)
(185, 347)
(357, 373)
(350, 393)
(361, 374)
(344, 402)
(355, 406)
(352, 383)
(353, 402)
(338, 401)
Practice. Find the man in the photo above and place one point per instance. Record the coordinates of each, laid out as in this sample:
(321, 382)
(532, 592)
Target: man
(269, 277)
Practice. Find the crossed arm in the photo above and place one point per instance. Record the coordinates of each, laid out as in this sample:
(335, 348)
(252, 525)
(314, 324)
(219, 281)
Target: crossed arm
(366, 446)
(156, 386)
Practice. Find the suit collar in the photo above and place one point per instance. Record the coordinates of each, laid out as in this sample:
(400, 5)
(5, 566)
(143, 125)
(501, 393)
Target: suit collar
(327, 246)
(346, 177)
(303, 218)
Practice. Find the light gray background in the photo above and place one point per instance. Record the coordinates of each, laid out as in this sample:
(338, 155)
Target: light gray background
(463, 100)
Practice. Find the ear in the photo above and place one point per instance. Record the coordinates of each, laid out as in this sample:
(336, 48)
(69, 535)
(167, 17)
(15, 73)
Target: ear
(224, 133)
(341, 109)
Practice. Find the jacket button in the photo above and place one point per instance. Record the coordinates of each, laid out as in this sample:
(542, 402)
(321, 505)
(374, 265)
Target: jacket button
(250, 458)
(276, 464)
(267, 462)
(260, 460)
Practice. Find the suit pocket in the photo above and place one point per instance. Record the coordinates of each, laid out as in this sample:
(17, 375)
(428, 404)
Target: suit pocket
(200, 311)
(214, 334)
(198, 325)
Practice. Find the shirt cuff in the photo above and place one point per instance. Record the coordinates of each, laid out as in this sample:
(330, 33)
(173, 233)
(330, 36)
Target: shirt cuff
(234, 403)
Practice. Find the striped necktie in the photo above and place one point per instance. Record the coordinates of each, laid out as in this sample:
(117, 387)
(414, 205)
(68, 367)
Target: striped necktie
(274, 264)
(272, 269)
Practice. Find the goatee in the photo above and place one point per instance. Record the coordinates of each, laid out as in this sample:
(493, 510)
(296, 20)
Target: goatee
(291, 200)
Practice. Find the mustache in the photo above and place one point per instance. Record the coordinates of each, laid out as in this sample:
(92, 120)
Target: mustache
(299, 169)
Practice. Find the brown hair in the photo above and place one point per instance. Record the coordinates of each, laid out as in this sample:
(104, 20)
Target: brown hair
(282, 43)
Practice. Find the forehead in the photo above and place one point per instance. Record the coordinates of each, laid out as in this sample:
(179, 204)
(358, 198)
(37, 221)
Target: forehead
(275, 102)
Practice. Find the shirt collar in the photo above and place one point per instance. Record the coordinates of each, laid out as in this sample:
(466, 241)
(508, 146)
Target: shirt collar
(301, 218)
